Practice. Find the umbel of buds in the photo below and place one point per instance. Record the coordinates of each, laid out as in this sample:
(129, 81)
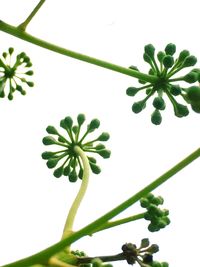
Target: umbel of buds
(71, 165)
(158, 218)
(13, 73)
(165, 68)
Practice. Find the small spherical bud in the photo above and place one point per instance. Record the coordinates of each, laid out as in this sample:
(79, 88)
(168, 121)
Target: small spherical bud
(156, 264)
(183, 54)
(5, 55)
(47, 154)
(159, 103)
(104, 153)
(30, 84)
(132, 91)
(181, 110)
(30, 73)
(66, 170)
(95, 168)
(168, 61)
(144, 243)
(160, 56)
(149, 50)
(158, 201)
(152, 228)
(91, 159)
(104, 137)
(94, 124)
(73, 176)
(58, 172)
(175, 89)
(51, 130)
(193, 93)
(170, 49)
(144, 202)
(68, 122)
(156, 117)
(138, 106)
(49, 140)
(154, 248)
(10, 96)
(147, 258)
(99, 147)
(80, 119)
(189, 61)
(75, 129)
(96, 262)
(191, 77)
(196, 106)
(150, 197)
(11, 50)
(147, 58)
(52, 162)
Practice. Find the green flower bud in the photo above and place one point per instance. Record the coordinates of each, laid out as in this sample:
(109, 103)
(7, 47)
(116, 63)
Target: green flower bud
(80, 119)
(191, 77)
(168, 61)
(196, 106)
(149, 50)
(30, 73)
(165, 264)
(189, 61)
(11, 50)
(30, 84)
(104, 153)
(52, 162)
(94, 124)
(75, 129)
(160, 56)
(138, 106)
(144, 202)
(49, 140)
(4, 54)
(104, 137)
(132, 91)
(193, 93)
(47, 155)
(147, 58)
(10, 96)
(66, 170)
(80, 174)
(156, 117)
(51, 130)
(150, 197)
(157, 201)
(61, 139)
(181, 110)
(152, 228)
(73, 176)
(68, 122)
(96, 262)
(170, 49)
(95, 168)
(144, 243)
(183, 54)
(156, 264)
(175, 89)
(159, 103)
(161, 223)
(99, 147)
(154, 248)
(58, 172)
(91, 159)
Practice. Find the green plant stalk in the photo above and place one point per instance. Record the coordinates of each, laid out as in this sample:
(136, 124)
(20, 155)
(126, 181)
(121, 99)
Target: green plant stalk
(43, 256)
(112, 224)
(68, 229)
(15, 31)
(24, 25)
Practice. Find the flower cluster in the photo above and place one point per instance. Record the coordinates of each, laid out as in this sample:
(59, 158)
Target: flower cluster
(158, 218)
(13, 75)
(142, 255)
(164, 69)
(71, 165)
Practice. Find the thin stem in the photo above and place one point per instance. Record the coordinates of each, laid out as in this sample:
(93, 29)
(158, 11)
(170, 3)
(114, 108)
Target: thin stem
(24, 25)
(74, 208)
(15, 31)
(120, 222)
(43, 256)
(117, 257)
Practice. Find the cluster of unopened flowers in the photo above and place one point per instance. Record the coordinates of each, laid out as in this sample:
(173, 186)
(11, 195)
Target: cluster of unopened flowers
(13, 74)
(71, 165)
(163, 67)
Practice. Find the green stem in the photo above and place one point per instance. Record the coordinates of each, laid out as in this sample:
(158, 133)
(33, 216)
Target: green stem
(24, 25)
(117, 257)
(43, 256)
(15, 31)
(68, 229)
(119, 222)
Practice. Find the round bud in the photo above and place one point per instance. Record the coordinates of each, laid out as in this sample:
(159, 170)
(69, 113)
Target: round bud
(99, 147)
(51, 130)
(189, 61)
(196, 106)
(30, 73)
(150, 196)
(154, 248)
(191, 77)
(104, 153)
(61, 139)
(91, 159)
(144, 203)
(156, 117)
(161, 223)
(132, 91)
(104, 137)
(152, 228)
(4, 54)
(80, 119)
(52, 162)
(166, 220)
(75, 129)
(181, 110)
(156, 264)
(68, 122)
(193, 93)
(175, 89)
(138, 106)
(73, 176)
(183, 54)
(149, 50)
(158, 201)
(58, 172)
(94, 124)
(95, 168)
(30, 84)
(66, 170)
(168, 61)
(160, 56)
(147, 58)
(159, 103)
(147, 258)
(47, 154)
(170, 49)
(152, 209)
(49, 140)
(26, 59)
(144, 243)
(96, 262)
(10, 96)
(11, 50)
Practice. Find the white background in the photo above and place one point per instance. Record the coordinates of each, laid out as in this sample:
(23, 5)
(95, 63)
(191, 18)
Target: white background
(34, 204)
